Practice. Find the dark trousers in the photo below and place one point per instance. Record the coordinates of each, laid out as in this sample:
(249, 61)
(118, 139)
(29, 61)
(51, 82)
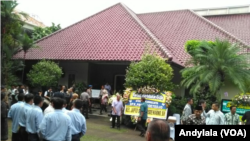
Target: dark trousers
(141, 125)
(113, 121)
(23, 135)
(13, 99)
(103, 107)
(15, 137)
(33, 137)
(85, 108)
(76, 137)
(90, 106)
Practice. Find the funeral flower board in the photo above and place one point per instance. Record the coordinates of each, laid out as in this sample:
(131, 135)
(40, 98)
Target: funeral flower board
(156, 105)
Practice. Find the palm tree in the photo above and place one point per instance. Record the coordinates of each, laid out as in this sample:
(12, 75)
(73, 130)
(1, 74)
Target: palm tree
(213, 64)
(7, 17)
(27, 43)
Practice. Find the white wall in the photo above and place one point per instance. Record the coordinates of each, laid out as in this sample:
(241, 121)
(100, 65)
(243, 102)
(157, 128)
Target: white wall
(231, 89)
(80, 69)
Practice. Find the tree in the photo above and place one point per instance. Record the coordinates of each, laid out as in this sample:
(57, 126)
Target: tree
(214, 63)
(12, 41)
(27, 43)
(42, 32)
(44, 73)
(152, 71)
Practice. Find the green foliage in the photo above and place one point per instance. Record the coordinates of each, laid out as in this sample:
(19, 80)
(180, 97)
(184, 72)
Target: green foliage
(8, 70)
(177, 104)
(191, 45)
(151, 71)
(27, 43)
(80, 86)
(44, 73)
(213, 64)
(42, 32)
(13, 41)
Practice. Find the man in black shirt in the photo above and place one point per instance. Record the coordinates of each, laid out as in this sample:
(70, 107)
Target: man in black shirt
(59, 94)
(246, 116)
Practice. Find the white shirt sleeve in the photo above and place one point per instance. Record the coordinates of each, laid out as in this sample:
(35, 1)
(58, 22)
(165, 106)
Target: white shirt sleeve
(207, 114)
(49, 109)
(45, 94)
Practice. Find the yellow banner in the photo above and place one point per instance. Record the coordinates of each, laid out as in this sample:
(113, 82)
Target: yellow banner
(152, 112)
(239, 106)
(153, 97)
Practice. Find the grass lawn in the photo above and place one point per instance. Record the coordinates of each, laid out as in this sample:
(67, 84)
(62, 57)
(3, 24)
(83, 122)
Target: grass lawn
(98, 129)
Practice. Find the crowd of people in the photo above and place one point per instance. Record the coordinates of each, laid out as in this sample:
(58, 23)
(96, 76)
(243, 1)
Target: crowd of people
(42, 116)
(62, 115)
(30, 123)
(212, 117)
(62, 118)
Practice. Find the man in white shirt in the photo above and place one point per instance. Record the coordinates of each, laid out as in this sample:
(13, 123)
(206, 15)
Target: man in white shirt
(187, 111)
(50, 108)
(216, 117)
(48, 93)
(26, 90)
(14, 94)
(117, 107)
(108, 88)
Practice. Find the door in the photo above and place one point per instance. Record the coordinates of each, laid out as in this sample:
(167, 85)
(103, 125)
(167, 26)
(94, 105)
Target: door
(119, 83)
(71, 80)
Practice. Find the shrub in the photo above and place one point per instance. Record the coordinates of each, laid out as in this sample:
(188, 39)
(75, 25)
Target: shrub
(44, 73)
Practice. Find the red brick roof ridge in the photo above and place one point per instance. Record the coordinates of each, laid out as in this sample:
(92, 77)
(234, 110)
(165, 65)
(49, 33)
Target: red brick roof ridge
(221, 29)
(161, 45)
(75, 23)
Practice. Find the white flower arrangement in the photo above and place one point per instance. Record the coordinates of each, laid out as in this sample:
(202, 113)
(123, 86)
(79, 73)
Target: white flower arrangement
(241, 99)
(169, 97)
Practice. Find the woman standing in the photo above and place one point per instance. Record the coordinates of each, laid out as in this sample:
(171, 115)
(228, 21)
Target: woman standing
(74, 97)
(101, 94)
(4, 119)
(104, 101)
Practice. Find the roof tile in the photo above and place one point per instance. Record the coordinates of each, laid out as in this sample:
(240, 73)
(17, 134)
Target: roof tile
(112, 34)
(117, 33)
(237, 24)
(174, 28)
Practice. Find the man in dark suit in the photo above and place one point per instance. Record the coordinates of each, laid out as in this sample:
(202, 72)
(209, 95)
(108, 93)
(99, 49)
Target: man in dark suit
(59, 94)
(246, 117)
(21, 87)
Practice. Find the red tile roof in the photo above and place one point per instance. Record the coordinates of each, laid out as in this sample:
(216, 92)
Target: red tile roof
(118, 34)
(113, 34)
(174, 28)
(237, 24)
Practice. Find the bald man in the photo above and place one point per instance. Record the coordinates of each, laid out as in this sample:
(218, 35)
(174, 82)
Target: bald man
(158, 130)
(117, 107)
